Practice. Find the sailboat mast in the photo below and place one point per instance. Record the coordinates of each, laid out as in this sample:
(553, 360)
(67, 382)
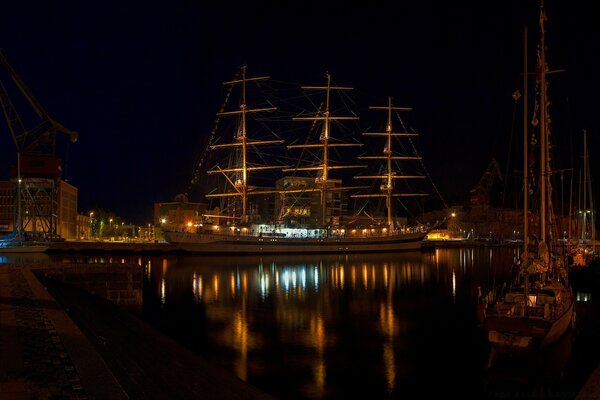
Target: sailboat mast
(544, 157)
(588, 201)
(525, 170)
(525, 153)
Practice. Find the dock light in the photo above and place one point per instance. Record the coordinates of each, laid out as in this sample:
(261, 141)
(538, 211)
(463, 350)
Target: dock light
(189, 224)
(453, 215)
(163, 220)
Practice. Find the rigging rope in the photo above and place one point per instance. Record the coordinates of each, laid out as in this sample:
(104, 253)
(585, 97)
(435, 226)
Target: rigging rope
(421, 161)
(197, 171)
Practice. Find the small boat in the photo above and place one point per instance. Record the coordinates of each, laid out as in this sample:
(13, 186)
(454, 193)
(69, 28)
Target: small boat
(581, 250)
(537, 307)
(23, 248)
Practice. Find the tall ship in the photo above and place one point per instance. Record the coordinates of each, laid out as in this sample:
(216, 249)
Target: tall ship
(307, 202)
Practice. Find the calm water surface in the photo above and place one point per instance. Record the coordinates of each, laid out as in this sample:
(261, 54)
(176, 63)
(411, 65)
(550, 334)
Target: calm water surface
(366, 325)
(363, 325)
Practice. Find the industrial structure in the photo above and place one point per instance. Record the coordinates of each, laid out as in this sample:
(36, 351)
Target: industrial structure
(36, 178)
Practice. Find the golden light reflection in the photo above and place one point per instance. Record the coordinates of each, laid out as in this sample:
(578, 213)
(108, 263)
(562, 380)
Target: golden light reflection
(453, 284)
(389, 359)
(388, 327)
(216, 285)
(240, 338)
(316, 339)
(373, 276)
(342, 277)
(385, 274)
(194, 285)
(200, 288)
(365, 276)
(232, 284)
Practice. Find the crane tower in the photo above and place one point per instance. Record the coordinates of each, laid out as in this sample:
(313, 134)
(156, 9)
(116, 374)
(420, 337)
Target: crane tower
(38, 170)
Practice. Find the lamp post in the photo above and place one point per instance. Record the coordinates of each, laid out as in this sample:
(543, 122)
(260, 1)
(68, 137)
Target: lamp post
(91, 235)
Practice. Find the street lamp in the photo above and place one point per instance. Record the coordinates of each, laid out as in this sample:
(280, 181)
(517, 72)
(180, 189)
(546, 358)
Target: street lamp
(91, 224)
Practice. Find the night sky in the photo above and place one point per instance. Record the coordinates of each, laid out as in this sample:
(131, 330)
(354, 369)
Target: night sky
(141, 81)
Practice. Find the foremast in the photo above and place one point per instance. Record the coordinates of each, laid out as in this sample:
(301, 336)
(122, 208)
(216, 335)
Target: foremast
(325, 143)
(388, 177)
(238, 176)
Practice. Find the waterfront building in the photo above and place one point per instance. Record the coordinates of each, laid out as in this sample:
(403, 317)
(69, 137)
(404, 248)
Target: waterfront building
(66, 211)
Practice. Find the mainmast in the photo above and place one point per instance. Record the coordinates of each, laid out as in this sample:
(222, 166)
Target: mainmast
(525, 171)
(544, 161)
(326, 141)
(390, 174)
(237, 177)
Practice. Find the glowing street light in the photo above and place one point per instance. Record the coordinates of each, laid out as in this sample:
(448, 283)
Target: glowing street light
(91, 224)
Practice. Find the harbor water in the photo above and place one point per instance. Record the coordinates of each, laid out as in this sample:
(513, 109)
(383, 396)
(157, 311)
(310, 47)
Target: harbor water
(393, 325)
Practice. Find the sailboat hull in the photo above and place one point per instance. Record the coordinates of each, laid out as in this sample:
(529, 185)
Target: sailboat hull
(23, 249)
(524, 333)
(229, 244)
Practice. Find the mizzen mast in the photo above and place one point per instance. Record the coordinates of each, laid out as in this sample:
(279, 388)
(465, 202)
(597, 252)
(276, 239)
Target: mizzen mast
(242, 141)
(389, 156)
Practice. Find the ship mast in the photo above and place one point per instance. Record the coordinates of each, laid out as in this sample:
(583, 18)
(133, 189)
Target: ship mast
(525, 173)
(388, 154)
(241, 141)
(323, 168)
(544, 161)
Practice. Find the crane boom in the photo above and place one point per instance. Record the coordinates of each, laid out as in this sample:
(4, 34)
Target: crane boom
(38, 172)
(41, 139)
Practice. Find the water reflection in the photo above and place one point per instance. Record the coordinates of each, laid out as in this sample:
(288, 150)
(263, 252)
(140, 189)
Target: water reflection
(316, 327)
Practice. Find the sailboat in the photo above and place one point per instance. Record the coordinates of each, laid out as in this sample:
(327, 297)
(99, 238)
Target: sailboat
(308, 209)
(537, 307)
(582, 249)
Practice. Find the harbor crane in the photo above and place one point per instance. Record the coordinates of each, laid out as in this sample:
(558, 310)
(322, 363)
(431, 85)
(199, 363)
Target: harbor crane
(38, 170)
(481, 193)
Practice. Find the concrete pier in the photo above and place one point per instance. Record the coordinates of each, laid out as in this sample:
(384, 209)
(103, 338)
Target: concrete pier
(57, 341)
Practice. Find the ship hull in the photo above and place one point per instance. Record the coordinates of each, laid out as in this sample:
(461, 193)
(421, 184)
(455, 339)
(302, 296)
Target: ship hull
(23, 249)
(225, 244)
(514, 333)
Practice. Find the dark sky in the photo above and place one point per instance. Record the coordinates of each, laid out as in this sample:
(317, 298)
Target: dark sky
(141, 81)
